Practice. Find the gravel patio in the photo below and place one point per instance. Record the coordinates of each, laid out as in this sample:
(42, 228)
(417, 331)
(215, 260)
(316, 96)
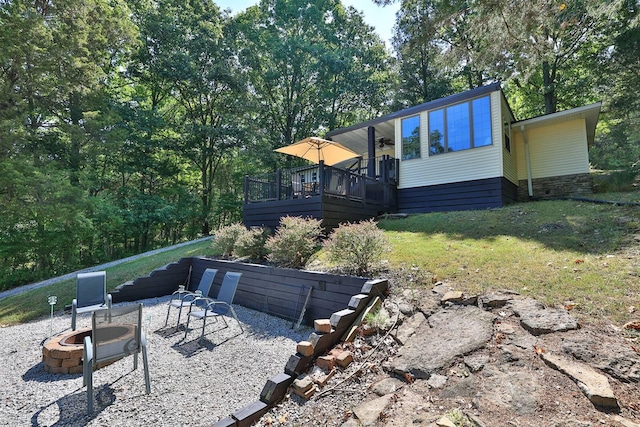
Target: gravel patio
(192, 383)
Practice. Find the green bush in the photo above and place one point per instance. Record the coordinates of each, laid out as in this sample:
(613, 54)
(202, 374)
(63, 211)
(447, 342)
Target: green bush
(224, 241)
(358, 247)
(294, 242)
(621, 180)
(252, 244)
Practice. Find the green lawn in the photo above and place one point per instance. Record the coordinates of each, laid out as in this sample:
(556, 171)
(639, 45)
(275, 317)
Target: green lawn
(557, 251)
(32, 304)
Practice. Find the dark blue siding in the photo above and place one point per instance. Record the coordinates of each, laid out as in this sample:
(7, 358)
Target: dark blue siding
(477, 194)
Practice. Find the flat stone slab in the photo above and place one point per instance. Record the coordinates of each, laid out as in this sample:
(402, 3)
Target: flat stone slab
(437, 381)
(453, 332)
(495, 300)
(387, 386)
(369, 412)
(409, 327)
(619, 361)
(500, 388)
(538, 319)
(593, 384)
(476, 362)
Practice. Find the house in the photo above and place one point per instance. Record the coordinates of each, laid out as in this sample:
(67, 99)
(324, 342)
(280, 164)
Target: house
(464, 151)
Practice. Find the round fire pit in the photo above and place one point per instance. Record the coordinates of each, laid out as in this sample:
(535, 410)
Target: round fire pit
(63, 353)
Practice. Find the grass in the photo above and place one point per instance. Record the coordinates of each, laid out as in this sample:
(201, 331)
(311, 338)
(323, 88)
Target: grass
(561, 252)
(33, 304)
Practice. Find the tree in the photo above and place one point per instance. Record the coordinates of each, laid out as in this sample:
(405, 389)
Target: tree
(311, 67)
(618, 78)
(418, 50)
(186, 49)
(56, 58)
(534, 44)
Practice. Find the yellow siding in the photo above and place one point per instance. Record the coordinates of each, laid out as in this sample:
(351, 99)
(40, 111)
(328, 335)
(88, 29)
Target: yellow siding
(555, 150)
(509, 170)
(466, 165)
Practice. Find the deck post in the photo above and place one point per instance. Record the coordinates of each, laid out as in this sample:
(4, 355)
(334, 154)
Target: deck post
(347, 185)
(396, 171)
(385, 168)
(364, 190)
(246, 189)
(321, 178)
(385, 194)
(278, 183)
(371, 143)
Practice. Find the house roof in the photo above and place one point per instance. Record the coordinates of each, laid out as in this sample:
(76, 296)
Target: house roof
(355, 137)
(589, 112)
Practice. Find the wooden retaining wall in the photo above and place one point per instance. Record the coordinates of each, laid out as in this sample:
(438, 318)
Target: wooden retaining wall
(277, 291)
(276, 387)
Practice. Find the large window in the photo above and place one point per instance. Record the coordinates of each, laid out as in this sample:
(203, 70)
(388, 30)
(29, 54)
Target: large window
(460, 126)
(411, 138)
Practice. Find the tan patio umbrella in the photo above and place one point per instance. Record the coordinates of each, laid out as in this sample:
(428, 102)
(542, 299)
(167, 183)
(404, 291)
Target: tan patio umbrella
(316, 149)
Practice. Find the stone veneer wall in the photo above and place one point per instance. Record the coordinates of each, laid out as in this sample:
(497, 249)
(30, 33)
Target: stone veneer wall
(557, 187)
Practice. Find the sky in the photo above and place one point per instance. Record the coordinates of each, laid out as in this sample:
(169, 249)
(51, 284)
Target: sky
(381, 18)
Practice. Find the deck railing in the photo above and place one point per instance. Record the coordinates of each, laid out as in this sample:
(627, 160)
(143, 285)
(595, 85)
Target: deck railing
(320, 180)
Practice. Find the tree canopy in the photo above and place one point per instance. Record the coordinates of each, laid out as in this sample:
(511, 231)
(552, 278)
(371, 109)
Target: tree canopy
(127, 125)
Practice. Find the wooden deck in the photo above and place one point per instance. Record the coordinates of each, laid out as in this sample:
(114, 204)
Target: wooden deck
(323, 192)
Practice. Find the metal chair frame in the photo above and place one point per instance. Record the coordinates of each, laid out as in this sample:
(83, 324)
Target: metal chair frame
(220, 307)
(91, 294)
(184, 298)
(104, 345)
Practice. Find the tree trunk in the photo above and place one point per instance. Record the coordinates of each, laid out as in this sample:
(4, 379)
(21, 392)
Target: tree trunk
(206, 228)
(549, 89)
(75, 111)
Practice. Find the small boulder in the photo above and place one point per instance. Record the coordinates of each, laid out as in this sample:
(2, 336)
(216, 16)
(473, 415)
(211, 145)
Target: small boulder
(387, 386)
(437, 381)
(451, 297)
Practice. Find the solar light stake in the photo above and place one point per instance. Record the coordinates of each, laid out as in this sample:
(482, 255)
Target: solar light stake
(52, 301)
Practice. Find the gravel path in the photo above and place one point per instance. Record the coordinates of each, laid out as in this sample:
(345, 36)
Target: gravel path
(192, 383)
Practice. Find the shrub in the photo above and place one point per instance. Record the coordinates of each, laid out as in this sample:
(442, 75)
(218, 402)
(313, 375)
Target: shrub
(225, 239)
(357, 247)
(295, 241)
(615, 181)
(251, 244)
(378, 319)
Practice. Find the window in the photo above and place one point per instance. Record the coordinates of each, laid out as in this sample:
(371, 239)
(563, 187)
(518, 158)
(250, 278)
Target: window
(460, 126)
(411, 138)
(481, 122)
(507, 135)
(436, 132)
